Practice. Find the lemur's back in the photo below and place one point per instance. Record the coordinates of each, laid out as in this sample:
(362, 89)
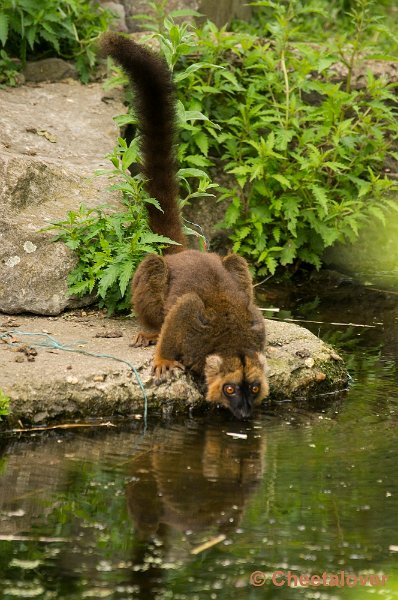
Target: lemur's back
(210, 278)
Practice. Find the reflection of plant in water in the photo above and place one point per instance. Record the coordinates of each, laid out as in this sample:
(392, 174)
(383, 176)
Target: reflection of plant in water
(307, 309)
(94, 504)
(92, 501)
(391, 591)
(311, 507)
(347, 339)
(366, 365)
(306, 490)
(4, 404)
(364, 362)
(3, 465)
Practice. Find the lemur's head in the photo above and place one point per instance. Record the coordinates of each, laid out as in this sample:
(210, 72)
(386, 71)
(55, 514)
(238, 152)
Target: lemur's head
(236, 382)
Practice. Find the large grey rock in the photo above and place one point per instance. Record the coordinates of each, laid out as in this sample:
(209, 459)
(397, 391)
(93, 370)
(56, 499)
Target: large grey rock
(60, 384)
(52, 139)
(34, 272)
(49, 69)
(119, 12)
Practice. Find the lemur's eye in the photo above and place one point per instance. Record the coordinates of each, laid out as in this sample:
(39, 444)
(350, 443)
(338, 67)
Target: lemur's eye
(229, 389)
(255, 388)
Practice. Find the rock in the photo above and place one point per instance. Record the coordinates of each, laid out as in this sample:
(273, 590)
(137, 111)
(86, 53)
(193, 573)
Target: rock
(34, 277)
(49, 69)
(61, 384)
(118, 10)
(52, 139)
(300, 363)
(221, 12)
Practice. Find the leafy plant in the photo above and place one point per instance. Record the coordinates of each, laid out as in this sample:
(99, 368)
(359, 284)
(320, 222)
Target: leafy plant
(194, 126)
(8, 70)
(305, 153)
(66, 28)
(157, 12)
(331, 21)
(109, 242)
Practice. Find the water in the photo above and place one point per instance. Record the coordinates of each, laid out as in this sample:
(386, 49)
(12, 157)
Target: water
(116, 514)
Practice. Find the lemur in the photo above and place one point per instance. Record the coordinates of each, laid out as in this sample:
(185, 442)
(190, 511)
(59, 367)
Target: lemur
(197, 307)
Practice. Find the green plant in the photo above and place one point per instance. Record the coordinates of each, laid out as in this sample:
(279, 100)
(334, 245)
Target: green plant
(66, 28)
(195, 128)
(119, 239)
(157, 13)
(109, 242)
(9, 70)
(304, 153)
(4, 404)
(331, 21)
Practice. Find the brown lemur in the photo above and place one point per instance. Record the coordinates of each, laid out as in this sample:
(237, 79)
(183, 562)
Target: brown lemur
(197, 307)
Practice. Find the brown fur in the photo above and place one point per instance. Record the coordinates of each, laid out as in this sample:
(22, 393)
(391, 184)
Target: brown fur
(197, 306)
(155, 109)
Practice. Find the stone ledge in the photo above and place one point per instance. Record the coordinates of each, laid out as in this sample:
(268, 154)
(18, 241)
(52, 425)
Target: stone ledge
(56, 385)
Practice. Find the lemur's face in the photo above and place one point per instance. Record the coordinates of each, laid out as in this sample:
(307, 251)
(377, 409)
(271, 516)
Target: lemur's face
(238, 383)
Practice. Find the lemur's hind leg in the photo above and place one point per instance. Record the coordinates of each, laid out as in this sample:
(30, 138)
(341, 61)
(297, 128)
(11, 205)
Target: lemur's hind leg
(149, 290)
(143, 339)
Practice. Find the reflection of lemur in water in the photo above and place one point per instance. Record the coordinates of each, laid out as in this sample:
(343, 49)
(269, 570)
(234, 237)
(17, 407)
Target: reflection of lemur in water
(197, 307)
(187, 478)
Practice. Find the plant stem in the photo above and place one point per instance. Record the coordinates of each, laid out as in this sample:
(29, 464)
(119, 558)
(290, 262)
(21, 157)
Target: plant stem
(287, 89)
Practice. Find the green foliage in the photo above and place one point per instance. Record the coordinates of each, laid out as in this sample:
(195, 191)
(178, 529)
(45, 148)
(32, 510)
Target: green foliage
(4, 404)
(154, 18)
(109, 242)
(302, 152)
(305, 154)
(8, 70)
(332, 21)
(65, 28)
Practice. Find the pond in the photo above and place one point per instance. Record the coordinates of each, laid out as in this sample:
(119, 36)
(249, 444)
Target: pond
(191, 507)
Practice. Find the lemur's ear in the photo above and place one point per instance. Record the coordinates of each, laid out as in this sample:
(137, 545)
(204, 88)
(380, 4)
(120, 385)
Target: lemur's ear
(213, 364)
(238, 269)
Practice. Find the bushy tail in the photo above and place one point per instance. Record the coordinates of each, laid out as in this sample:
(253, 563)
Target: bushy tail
(154, 102)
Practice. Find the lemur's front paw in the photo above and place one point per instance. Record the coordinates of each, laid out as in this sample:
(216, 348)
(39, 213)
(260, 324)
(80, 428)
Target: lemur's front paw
(144, 339)
(162, 368)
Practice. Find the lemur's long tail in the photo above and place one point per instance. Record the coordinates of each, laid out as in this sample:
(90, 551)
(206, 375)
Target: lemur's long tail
(154, 103)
